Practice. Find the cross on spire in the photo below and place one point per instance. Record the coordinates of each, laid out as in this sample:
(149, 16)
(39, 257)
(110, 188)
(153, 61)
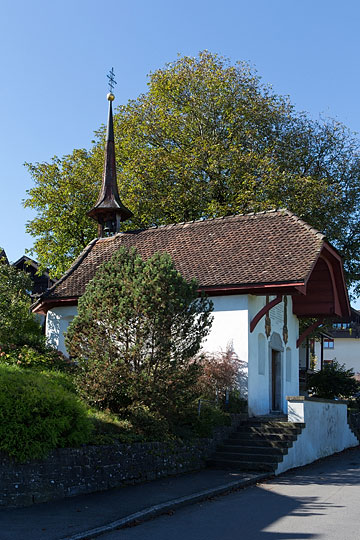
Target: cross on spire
(112, 81)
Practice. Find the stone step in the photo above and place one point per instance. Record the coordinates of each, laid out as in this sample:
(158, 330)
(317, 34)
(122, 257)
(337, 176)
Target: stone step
(262, 437)
(252, 441)
(249, 449)
(273, 430)
(258, 444)
(241, 466)
(268, 425)
(232, 456)
(269, 418)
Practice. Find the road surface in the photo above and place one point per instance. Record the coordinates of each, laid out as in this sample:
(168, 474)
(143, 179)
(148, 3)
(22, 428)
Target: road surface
(321, 501)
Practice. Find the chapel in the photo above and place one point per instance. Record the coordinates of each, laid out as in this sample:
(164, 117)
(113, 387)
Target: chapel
(263, 271)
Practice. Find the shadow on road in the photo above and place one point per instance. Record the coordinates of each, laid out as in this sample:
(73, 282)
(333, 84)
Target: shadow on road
(256, 513)
(339, 470)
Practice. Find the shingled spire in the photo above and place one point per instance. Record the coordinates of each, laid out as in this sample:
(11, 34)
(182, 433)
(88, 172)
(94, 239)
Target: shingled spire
(109, 211)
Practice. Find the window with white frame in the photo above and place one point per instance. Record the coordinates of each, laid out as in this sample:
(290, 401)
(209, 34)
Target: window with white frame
(328, 343)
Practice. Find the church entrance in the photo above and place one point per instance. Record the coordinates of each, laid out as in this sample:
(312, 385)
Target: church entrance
(276, 405)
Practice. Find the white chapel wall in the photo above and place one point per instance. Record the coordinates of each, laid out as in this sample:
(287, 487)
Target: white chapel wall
(230, 329)
(259, 376)
(229, 326)
(57, 322)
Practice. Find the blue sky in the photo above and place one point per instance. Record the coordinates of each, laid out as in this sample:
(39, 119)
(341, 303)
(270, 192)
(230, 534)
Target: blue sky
(55, 56)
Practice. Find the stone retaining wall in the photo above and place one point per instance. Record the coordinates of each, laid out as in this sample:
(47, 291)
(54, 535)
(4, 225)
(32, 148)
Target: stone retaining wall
(73, 471)
(326, 430)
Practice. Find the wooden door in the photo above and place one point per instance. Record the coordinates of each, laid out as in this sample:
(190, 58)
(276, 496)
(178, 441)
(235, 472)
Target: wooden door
(275, 380)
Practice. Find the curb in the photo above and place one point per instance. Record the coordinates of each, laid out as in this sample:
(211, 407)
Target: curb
(162, 508)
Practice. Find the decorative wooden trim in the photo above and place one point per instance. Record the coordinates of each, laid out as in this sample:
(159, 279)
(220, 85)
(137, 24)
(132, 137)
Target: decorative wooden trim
(337, 307)
(293, 286)
(308, 331)
(264, 310)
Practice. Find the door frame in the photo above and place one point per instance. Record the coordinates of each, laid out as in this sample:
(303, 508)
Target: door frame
(276, 346)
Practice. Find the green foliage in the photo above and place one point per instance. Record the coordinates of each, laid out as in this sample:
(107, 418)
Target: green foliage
(148, 422)
(236, 404)
(210, 417)
(221, 373)
(207, 139)
(37, 414)
(334, 381)
(62, 196)
(29, 357)
(109, 428)
(138, 328)
(18, 325)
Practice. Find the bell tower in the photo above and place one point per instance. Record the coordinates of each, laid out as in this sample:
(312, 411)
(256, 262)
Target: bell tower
(109, 211)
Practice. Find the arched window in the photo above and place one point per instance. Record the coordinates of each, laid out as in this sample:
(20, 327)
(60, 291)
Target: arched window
(261, 354)
(288, 364)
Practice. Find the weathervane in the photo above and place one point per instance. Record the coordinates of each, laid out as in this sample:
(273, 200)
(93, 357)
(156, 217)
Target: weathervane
(111, 83)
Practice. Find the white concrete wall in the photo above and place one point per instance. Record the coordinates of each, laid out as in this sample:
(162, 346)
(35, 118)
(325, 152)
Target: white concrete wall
(326, 431)
(230, 329)
(259, 383)
(57, 321)
(346, 351)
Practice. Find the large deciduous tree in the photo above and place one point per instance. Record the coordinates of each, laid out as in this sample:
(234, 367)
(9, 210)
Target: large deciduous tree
(206, 139)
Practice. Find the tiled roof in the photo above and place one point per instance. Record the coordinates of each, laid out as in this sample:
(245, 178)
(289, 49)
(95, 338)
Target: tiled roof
(266, 248)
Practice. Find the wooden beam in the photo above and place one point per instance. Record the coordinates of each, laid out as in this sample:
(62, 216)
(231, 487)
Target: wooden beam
(322, 353)
(337, 308)
(301, 289)
(264, 310)
(308, 331)
(312, 308)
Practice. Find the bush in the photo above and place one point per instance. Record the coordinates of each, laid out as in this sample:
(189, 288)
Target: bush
(148, 422)
(138, 328)
(334, 381)
(210, 417)
(109, 429)
(105, 384)
(222, 373)
(45, 358)
(18, 326)
(37, 414)
(236, 404)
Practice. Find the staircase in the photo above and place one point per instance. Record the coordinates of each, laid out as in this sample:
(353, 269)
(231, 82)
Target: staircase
(354, 423)
(259, 444)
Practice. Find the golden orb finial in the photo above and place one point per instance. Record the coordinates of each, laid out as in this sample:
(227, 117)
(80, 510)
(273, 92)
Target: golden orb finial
(110, 96)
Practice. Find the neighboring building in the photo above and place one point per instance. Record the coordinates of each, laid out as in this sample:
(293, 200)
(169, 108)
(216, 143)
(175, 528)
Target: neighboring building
(262, 271)
(40, 282)
(341, 344)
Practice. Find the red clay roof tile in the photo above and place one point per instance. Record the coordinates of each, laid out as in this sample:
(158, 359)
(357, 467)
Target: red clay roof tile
(266, 248)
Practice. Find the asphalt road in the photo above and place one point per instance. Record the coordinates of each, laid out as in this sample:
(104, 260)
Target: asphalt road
(321, 501)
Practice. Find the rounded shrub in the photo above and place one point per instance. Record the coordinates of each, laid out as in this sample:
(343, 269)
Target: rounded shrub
(333, 381)
(43, 358)
(37, 414)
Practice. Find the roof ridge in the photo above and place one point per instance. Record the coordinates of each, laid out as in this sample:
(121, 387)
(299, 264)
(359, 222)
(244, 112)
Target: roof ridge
(73, 267)
(303, 223)
(201, 220)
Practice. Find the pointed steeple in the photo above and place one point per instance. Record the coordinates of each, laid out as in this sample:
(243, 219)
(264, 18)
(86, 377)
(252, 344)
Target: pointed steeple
(109, 211)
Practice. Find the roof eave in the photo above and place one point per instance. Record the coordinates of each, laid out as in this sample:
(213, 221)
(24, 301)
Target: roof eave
(41, 307)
